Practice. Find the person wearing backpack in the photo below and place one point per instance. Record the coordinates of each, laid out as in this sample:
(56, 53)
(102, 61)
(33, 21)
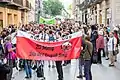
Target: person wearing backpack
(87, 55)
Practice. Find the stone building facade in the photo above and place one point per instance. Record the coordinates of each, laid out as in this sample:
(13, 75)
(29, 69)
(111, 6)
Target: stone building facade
(105, 12)
(14, 12)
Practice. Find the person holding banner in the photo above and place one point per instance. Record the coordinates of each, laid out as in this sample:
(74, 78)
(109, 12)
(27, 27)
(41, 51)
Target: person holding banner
(10, 55)
(59, 63)
(51, 39)
(59, 69)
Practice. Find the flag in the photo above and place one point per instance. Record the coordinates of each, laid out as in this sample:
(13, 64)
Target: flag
(50, 21)
(42, 20)
(47, 21)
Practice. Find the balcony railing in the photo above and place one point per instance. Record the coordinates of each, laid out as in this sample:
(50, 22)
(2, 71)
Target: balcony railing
(77, 2)
(13, 2)
(28, 4)
(5, 0)
(97, 1)
(19, 2)
(88, 3)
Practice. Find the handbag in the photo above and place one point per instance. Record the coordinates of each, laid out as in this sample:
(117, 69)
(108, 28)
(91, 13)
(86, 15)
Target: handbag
(115, 52)
(95, 57)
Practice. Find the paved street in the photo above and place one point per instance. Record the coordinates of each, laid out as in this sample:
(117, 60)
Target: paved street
(100, 72)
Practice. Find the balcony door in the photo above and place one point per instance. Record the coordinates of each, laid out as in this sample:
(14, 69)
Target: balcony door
(1, 21)
(15, 19)
(9, 18)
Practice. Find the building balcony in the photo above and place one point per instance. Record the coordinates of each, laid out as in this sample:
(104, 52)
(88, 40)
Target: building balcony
(5, 0)
(88, 3)
(97, 1)
(18, 3)
(28, 4)
(77, 2)
(84, 4)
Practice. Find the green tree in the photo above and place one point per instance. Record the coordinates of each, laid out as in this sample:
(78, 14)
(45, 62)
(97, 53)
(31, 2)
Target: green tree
(52, 7)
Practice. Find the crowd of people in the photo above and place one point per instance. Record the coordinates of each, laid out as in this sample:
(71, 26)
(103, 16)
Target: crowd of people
(95, 38)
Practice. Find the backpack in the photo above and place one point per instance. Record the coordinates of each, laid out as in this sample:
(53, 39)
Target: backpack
(94, 57)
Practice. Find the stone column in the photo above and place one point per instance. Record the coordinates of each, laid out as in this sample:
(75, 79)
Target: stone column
(88, 13)
(5, 17)
(98, 14)
(104, 12)
(13, 21)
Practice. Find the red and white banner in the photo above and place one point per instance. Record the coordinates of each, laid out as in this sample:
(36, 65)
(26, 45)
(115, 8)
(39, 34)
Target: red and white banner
(28, 48)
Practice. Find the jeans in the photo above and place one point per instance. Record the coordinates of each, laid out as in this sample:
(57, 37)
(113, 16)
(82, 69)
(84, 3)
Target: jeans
(87, 69)
(80, 66)
(28, 69)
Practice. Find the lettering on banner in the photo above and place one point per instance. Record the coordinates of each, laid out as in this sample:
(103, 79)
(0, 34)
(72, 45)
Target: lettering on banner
(47, 55)
(44, 47)
(37, 38)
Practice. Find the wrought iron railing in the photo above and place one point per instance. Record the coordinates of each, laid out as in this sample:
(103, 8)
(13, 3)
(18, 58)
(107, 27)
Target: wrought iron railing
(19, 2)
(5, 0)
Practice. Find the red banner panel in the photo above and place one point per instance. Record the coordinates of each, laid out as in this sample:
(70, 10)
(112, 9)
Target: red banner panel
(57, 51)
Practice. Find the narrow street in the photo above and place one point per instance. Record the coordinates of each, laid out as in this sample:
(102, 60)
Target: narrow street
(100, 72)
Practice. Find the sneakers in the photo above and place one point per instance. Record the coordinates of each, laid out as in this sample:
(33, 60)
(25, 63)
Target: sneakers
(99, 62)
(60, 79)
(80, 76)
(53, 66)
(27, 77)
(64, 64)
(111, 65)
(107, 59)
(49, 66)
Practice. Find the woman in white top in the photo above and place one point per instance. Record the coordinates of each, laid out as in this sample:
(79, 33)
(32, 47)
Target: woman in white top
(111, 48)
